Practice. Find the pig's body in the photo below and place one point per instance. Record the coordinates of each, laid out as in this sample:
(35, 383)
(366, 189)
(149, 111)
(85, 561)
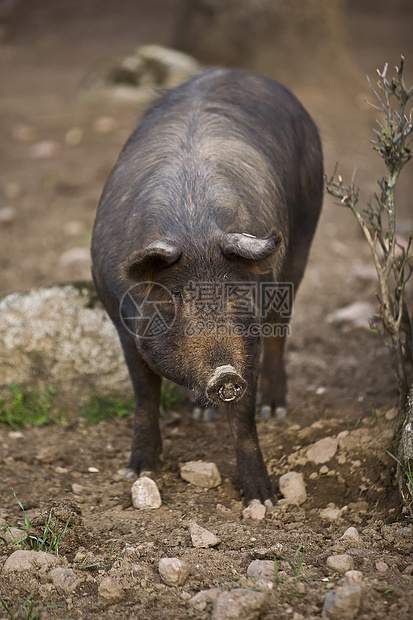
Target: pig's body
(220, 184)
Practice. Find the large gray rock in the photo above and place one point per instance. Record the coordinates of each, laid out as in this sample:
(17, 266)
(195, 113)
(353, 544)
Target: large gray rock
(61, 336)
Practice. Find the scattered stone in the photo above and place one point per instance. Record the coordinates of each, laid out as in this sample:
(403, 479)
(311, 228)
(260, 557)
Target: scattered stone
(340, 563)
(261, 568)
(64, 579)
(145, 494)
(93, 470)
(240, 603)
(342, 603)
(201, 474)
(77, 488)
(73, 255)
(46, 149)
(110, 590)
(29, 560)
(357, 313)
(7, 215)
(74, 136)
(352, 534)
(173, 571)
(255, 510)
(353, 575)
(293, 488)
(104, 124)
(381, 567)
(408, 570)
(323, 450)
(331, 512)
(391, 414)
(202, 538)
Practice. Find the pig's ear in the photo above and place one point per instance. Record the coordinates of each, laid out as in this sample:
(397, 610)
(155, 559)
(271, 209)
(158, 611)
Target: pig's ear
(141, 264)
(259, 255)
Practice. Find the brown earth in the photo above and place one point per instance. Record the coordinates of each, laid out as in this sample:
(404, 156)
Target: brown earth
(340, 378)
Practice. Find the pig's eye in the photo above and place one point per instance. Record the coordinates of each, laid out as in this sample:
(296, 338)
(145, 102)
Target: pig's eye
(177, 294)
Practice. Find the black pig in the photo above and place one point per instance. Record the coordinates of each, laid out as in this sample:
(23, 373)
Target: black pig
(214, 198)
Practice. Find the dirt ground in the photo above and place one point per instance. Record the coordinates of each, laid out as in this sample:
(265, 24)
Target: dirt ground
(341, 382)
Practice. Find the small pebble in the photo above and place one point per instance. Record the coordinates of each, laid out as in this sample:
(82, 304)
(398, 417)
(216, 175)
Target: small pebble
(104, 124)
(173, 571)
(352, 534)
(93, 470)
(293, 488)
(7, 215)
(322, 451)
(201, 474)
(201, 537)
(340, 563)
(255, 510)
(145, 494)
(381, 567)
(44, 150)
(261, 568)
(110, 591)
(77, 488)
(74, 136)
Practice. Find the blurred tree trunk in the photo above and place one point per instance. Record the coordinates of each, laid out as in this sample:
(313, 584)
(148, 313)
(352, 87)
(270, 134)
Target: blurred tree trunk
(278, 37)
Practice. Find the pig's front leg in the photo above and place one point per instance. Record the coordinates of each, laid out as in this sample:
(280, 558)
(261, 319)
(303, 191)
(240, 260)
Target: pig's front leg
(252, 471)
(146, 441)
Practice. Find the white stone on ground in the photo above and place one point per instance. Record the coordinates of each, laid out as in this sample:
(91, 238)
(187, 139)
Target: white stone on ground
(201, 537)
(340, 563)
(201, 474)
(173, 571)
(293, 488)
(323, 450)
(145, 494)
(240, 603)
(255, 510)
(202, 598)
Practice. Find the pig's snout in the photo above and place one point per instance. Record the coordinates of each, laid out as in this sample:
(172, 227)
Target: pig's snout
(225, 385)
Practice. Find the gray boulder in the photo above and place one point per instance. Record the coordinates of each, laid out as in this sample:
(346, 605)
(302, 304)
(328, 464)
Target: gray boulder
(61, 336)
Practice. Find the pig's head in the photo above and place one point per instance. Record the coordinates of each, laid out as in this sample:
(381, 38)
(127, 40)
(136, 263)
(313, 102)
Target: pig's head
(209, 343)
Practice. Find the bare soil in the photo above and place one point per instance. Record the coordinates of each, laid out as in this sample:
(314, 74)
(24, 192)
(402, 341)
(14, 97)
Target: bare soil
(341, 380)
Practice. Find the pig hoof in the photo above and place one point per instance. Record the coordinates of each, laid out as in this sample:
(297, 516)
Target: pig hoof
(280, 412)
(265, 412)
(197, 413)
(207, 415)
(268, 504)
(130, 473)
